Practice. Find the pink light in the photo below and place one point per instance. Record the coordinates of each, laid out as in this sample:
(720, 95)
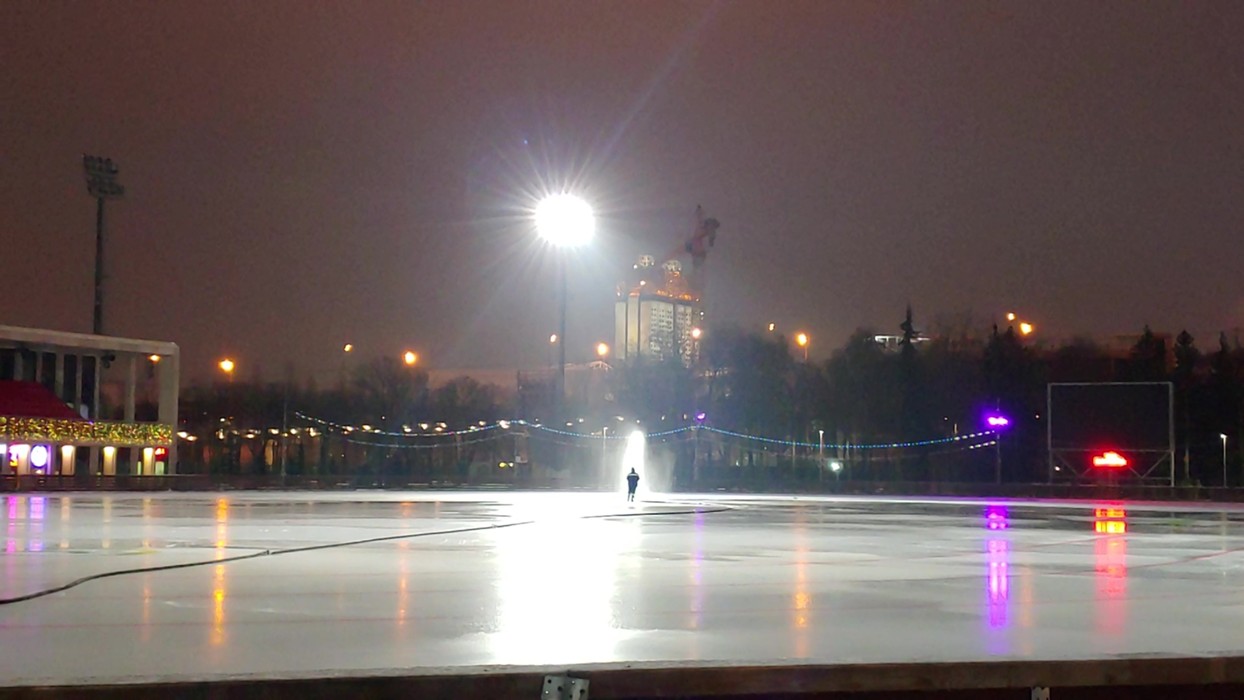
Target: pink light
(997, 421)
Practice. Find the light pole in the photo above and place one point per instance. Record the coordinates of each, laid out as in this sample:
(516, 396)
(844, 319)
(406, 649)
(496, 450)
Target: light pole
(802, 341)
(227, 366)
(820, 453)
(563, 221)
(101, 183)
(1223, 436)
(996, 422)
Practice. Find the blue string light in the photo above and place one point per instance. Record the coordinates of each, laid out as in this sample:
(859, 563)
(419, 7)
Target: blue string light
(475, 430)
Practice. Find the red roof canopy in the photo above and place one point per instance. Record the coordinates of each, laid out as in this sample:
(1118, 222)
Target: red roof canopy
(33, 400)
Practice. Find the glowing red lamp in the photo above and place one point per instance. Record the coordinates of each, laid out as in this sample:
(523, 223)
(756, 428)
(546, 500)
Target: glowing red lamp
(1110, 460)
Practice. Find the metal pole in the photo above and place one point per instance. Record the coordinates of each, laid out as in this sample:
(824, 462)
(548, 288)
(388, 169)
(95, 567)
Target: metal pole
(997, 456)
(820, 453)
(1224, 460)
(561, 340)
(98, 326)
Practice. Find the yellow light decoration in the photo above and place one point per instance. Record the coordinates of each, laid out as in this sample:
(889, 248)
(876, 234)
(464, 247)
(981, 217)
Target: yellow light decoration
(75, 432)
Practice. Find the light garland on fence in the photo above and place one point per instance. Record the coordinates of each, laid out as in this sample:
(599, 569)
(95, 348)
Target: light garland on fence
(506, 425)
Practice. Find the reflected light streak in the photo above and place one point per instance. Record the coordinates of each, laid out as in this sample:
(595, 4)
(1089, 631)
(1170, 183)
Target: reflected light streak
(548, 573)
(802, 599)
(697, 572)
(1110, 568)
(218, 607)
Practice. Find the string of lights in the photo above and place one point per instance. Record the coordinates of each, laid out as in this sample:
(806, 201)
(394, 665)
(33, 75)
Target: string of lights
(508, 424)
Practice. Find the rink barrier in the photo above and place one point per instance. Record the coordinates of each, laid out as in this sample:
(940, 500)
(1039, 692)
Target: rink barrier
(1190, 678)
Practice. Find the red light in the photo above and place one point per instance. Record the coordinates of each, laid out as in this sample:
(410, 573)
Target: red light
(161, 454)
(1110, 460)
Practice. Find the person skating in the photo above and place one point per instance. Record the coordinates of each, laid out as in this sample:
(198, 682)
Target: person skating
(632, 483)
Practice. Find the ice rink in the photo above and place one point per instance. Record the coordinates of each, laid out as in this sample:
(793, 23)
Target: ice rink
(297, 584)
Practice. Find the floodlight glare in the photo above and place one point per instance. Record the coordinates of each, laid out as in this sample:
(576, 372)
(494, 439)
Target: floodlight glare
(565, 220)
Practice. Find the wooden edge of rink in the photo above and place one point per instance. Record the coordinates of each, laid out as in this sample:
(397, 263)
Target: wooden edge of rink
(678, 680)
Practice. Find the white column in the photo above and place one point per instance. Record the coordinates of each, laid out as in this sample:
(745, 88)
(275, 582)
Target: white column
(169, 371)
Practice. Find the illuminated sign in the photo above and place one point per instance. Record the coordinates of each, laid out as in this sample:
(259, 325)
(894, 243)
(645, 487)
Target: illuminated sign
(1110, 460)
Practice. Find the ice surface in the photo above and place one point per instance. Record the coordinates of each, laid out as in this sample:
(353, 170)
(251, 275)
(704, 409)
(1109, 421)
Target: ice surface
(538, 579)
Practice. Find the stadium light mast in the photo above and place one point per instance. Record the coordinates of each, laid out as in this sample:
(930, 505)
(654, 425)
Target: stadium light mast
(564, 221)
(101, 183)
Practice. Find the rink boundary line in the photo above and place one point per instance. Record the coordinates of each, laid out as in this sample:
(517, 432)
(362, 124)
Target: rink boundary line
(337, 545)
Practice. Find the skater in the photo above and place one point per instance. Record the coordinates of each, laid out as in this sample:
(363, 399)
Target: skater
(632, 482)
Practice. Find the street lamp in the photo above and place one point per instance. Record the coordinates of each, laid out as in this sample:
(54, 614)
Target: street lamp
(1223, 437)
(410, 358)
(227, 366)
(564, 221)
(802, 341)
(602, 349)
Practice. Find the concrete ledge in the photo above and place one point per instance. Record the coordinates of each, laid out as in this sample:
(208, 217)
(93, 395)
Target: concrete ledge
(1167, 677)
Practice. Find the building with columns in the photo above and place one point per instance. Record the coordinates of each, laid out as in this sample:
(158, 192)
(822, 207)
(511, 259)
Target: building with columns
(55, 419)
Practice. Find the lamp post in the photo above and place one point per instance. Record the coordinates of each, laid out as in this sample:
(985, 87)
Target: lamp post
(564, 221)
(820, 453)
(227, 366)
(996, 422)
(1223, 437)
(802, 341)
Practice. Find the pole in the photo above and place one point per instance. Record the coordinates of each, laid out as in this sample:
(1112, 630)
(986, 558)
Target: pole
(561, 341)
(1224, 460)
(604, 454)
(284, 431)
(997, 456)
(98, 326)
(820, 453)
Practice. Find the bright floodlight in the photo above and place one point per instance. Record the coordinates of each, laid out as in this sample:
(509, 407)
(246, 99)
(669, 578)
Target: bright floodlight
(565, 220)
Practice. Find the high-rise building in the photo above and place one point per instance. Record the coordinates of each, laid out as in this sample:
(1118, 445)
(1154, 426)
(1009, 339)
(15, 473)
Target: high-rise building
(657, 315)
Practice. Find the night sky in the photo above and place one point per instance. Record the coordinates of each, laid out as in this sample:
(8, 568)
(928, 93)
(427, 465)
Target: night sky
(300, 175)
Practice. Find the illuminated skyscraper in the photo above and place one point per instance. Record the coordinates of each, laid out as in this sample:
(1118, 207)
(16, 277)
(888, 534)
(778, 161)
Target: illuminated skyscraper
(656, 315)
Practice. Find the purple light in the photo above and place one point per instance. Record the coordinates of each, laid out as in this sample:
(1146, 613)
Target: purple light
(997, 421)
(39, 457)
(699, 417)
(996, 518)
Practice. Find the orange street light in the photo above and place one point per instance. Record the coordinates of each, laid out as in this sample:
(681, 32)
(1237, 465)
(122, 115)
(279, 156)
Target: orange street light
(602, 349)
(410, 358)
(227, 366)
(802, 341)
(1026, 328)
(154, 358)
(348, 347)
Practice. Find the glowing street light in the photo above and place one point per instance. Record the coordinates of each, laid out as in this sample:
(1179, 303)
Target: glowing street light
(602, 349)
(802, 341)
(155, 359)
(1026, 328)
(696, 333)
(565, 220)
(227, 366)
(348, 347)
(410, 358)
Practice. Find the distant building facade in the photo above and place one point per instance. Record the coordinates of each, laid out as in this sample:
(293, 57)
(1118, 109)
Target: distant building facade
(657, 315)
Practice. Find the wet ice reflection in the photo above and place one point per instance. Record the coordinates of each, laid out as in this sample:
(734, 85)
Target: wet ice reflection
(557, 590)
(997, 578)
(1110, 568)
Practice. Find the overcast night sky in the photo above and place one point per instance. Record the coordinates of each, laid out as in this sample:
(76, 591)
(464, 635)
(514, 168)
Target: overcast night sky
(303, 174)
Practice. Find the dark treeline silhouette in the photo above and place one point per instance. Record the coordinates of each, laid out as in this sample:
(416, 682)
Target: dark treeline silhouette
(753, 383)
